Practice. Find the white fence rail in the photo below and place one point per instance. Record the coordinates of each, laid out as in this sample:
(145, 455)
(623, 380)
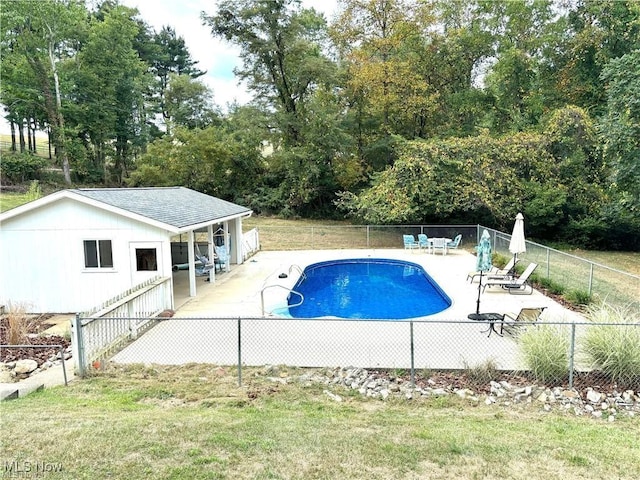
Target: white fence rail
(250, 243)
(129, 314)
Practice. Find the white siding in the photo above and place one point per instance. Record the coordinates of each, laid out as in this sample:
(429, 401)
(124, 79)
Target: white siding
(42, 256)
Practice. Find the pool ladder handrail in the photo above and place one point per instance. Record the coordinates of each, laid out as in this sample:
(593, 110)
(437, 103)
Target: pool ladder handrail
(290, 290)
(299, 268)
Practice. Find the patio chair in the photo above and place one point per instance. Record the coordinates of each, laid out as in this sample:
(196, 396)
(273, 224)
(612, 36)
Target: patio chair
(512, 323)
(221, 257)
(204, 266)
(423, 241)
(455, 243)
(410, 242)
(495, 271)
(520, 285)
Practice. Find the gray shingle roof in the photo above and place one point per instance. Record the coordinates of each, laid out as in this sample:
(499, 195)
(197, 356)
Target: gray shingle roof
(179, 207)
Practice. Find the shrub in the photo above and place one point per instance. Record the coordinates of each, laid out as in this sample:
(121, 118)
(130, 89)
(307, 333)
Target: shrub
(35, 192)
(499, 260)
(550, 285)
(482, 374)
(613, 344)
(20, 167)
(578, 297)
(545, 351)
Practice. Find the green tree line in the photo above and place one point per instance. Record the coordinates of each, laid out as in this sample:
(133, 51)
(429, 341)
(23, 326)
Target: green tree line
(392, 111)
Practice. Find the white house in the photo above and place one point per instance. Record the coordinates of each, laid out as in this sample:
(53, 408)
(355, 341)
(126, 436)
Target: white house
(74, 249)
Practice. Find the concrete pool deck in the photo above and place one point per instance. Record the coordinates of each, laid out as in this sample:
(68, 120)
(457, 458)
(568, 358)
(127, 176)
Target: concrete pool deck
(205, 328)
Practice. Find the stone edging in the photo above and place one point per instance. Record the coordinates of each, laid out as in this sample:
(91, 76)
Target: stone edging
(591, 403)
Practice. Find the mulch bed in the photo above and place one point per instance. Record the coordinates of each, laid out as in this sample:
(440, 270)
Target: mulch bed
(37, 344)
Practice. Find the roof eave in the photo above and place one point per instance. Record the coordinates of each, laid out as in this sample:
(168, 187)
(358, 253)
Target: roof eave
(197, 226)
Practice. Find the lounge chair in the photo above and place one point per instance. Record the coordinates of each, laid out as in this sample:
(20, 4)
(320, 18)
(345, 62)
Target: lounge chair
(423, 242)
(519, 285)
(512, 323)
(455, 243)
(495, 271)
(410, 242)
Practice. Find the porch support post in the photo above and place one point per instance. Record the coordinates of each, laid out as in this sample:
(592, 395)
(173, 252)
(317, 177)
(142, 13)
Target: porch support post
(192, 260)
(211, 253)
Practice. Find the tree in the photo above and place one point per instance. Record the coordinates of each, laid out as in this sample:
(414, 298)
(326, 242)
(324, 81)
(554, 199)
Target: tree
(44, 34)
(621, 127)
(523, 33)
(110, 81)
(597, 31)
(452, 63)
(281, 47)
(380, 44)
(281, 52)
(188, 103)
(170, 59)
(211, 160)
(462, 179)
(20, 94)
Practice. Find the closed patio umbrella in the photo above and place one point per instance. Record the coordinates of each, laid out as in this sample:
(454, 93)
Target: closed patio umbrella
(517, 244)
(483, 260)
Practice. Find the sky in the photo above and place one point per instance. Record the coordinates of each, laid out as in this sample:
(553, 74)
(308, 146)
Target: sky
(215, 56)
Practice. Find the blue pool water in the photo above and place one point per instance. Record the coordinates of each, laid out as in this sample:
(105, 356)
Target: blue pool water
(368, 289)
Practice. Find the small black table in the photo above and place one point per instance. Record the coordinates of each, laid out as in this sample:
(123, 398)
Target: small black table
(492, 318)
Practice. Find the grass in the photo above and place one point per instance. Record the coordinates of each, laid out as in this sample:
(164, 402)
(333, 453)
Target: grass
(12, 200)
(625, 261)
(194, 422)
(42, 143)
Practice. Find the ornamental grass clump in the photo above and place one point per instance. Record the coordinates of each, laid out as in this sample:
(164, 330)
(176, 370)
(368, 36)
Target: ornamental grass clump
(545, 352)
(613, 344)
(18, 324)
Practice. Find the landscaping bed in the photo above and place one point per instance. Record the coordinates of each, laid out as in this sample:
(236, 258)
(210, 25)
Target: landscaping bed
(28, 333)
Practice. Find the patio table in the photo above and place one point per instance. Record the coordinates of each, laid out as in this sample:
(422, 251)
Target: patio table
(445, 243)
(491, 318)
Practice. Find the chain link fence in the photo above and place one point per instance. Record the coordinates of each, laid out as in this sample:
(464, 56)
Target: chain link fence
(583, 281)
(575, 277)
(552, 353)
(331, 237)
(602, 352)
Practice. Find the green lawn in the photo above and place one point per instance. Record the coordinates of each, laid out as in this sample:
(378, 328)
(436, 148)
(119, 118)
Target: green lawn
(194, 422)
(12, 200)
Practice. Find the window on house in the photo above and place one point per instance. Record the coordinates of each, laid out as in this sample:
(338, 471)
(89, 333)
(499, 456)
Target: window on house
(98, 254)
(146, 259)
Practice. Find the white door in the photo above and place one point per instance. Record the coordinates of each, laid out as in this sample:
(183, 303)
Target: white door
(146, 261)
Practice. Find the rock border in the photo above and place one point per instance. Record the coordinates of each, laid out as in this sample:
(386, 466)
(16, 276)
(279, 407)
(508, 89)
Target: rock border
(593, 403)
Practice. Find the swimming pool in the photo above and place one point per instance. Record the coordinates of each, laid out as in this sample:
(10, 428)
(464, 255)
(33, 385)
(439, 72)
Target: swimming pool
(366, 288)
